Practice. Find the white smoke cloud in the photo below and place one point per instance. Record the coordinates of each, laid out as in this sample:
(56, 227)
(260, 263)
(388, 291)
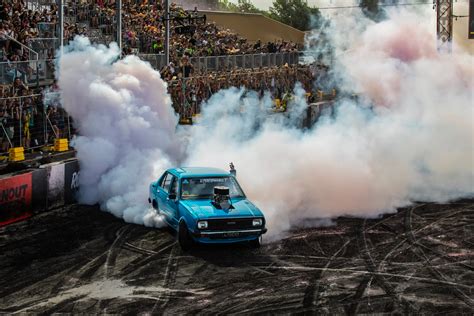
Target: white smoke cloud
(415, 144)
(409, 139)
(127, 127)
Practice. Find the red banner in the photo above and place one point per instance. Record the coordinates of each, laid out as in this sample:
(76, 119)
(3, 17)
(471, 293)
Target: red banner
(15, 198)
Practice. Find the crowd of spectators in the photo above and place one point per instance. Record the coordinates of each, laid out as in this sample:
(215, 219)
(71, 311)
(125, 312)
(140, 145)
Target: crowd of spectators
(188, 93)
(144, 26)
(19, 24)
(24, 119)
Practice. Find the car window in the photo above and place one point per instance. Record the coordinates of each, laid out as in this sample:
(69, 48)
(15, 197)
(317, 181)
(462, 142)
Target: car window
(174, 186)
(203, 188)
(166, 182)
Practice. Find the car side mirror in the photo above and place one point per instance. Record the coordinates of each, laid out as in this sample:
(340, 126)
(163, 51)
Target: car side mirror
(172, 196)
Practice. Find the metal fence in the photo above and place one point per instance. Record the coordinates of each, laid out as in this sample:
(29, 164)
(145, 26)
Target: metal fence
(187, 94)
(26, 122)
(45, 47)
(32, 72)
(217, 63)
(48, 29)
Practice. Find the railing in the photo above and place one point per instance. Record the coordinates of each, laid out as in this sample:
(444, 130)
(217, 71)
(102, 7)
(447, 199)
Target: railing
(30, 124)
(32, 53)
(48, 30)
(217, 63)
(188, 93)
(32, 72)
(45, 47)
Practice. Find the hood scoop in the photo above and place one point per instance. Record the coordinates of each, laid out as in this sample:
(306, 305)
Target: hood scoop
(221, 199)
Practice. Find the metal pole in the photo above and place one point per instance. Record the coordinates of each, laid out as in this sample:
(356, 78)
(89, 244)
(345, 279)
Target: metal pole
(45, 126)
(21, 120)
(61, 26)
(444, 29)
(119, 24)
(167, 32)
(68, 128)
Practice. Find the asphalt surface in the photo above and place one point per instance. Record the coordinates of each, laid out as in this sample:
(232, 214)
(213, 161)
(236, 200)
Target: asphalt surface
(81, 260)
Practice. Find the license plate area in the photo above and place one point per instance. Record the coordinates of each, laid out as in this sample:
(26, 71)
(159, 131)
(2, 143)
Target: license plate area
(231, 234)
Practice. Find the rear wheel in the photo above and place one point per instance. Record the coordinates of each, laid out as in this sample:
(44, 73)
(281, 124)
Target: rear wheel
(184, 238)
(155, 206)
(256, 243)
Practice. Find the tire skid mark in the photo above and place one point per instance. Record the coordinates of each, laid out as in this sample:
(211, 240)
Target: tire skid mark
(312, 292)
(115, 249)
(141, 262)
(168, 279)
(361, 288)
(376, 269)
(433, 271)
(141, 250)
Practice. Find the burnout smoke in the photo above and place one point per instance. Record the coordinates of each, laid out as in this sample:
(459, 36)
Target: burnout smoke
(126, 126)
(409, 137)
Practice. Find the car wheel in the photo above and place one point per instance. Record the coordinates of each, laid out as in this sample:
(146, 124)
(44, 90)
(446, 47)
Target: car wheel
(155, 206)
(184, 239)
(256, 243)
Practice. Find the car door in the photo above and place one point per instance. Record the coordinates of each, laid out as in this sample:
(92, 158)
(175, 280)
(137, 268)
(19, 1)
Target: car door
(171, 204)
(163, 190)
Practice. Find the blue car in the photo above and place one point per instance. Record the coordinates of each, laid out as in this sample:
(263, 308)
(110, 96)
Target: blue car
(206, 205)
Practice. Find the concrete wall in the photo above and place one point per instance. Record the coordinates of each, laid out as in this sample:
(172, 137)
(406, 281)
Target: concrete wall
(36, 190)
(255, 26)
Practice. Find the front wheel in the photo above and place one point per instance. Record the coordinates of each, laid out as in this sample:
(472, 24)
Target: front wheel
(256, 243)
(184, 239)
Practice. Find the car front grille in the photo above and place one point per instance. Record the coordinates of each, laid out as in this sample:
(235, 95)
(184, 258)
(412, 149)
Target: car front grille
(230, 224)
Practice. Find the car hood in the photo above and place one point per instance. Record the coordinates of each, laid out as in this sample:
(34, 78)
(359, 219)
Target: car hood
(203, 209)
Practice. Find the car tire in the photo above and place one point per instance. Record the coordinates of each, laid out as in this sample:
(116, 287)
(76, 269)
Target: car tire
(256, 243)
(184, 239)
(155, 206)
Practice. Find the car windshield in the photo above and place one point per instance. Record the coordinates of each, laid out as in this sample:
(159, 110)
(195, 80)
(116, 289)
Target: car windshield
(203, 188)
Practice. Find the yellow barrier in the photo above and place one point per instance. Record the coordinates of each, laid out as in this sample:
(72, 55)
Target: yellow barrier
(16, 154)
(277, 103)
(61, 144)
(320, 94)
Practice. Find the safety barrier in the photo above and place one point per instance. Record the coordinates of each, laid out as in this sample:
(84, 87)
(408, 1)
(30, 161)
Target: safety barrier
(227, 62)
(32, 72)
(188, 93)
(45, 47)
(31, 126)
(36, 190)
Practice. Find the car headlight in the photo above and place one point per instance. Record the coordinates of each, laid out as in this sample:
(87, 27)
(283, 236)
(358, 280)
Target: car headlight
(202, 224)
(257, 222)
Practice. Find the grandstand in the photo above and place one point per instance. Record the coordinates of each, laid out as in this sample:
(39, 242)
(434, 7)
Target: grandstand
(209, 58)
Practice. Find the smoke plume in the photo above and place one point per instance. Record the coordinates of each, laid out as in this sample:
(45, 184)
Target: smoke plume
(408, 136)
(126, 124)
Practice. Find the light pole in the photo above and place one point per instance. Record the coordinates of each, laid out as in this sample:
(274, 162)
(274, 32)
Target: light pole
(167, 32)
(118, 11)
(61, 26)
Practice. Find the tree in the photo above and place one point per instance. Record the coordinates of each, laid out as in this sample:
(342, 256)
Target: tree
(295, 13)
(242, 6)
(247, 7)
(372, 10)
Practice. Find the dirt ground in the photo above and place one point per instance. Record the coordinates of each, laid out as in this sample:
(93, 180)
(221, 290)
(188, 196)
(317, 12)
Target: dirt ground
(81, 260)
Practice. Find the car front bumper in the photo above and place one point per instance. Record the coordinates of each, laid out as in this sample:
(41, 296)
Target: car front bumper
(228, 235)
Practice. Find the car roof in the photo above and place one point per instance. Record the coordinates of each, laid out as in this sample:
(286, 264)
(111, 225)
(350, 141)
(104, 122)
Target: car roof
(198, 172)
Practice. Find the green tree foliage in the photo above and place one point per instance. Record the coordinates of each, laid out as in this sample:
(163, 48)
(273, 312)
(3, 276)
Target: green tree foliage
(296, 13)
(371, 9)
(242, 6)
(247, 7)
